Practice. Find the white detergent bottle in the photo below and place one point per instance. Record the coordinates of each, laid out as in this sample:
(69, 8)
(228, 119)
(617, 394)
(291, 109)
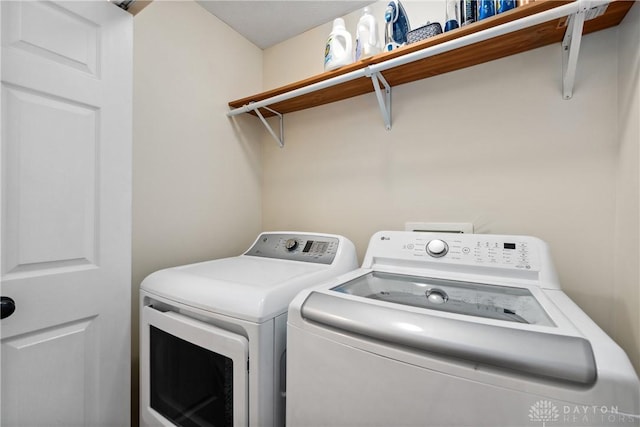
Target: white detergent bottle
(339, 48)
(367, 40)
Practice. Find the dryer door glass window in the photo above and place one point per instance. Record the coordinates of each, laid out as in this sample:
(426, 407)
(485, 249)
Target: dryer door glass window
(189, 385)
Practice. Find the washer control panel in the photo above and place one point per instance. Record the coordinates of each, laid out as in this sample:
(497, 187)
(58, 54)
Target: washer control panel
(512, 252)
(296, 247)
(479, 251)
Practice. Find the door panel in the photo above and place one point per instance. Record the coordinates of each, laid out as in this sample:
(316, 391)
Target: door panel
(51, 182)
(66, 72)
(74, 379)
(53, 32)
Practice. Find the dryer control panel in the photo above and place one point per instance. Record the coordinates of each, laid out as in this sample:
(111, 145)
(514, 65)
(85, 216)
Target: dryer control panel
(296, 247)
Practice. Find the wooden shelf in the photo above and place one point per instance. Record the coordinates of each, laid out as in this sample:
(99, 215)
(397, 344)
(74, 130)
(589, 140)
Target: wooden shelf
(499, 47)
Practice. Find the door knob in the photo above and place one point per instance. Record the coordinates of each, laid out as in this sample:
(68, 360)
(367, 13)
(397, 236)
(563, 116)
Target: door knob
(7, 306)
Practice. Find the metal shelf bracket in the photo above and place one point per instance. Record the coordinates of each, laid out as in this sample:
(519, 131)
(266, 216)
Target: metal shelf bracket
(384, 100)
(570, 50)
(587, 9)
(279, 139)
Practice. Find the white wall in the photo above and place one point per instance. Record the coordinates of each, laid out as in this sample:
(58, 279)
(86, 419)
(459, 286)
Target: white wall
(626, 326)
(197, 174)
(495, 145)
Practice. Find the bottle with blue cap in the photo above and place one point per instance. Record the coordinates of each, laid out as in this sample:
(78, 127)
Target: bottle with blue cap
(452, 16)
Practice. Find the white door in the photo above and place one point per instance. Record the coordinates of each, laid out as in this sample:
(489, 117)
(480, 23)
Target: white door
(66, 72)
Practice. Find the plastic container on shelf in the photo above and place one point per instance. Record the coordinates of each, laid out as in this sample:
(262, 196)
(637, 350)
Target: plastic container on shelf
(486, 9)
(504, 5)
(431, 29)
(367, 38)
(339, 48)
(452, 15)
(468, 12)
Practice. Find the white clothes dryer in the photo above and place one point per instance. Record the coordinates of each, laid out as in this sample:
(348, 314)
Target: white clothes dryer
(213, 334)
(452, 330)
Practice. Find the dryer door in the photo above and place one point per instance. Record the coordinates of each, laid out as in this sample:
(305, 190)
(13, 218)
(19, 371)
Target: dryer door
(191, 373)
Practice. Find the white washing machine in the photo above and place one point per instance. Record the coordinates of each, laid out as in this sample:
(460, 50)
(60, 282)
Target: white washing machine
(452, 330)
(213, 334)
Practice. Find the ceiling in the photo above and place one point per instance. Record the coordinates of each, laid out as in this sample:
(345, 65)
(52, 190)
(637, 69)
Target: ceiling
(266, 23)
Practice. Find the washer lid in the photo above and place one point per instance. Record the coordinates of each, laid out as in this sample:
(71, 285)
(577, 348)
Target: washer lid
(246, 287)
(545, 352)
(473, 299)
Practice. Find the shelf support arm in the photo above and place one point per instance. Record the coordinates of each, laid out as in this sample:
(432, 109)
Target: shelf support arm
(279, 139)
(570, 50)
(384, 101)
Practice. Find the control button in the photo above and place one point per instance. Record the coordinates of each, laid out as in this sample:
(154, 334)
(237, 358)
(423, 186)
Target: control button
(437, 248)
(466, 250)
(436, 296)
(291, 245)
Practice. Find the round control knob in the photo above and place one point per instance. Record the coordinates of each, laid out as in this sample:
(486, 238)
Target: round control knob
(437, 248)
(291, 244)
